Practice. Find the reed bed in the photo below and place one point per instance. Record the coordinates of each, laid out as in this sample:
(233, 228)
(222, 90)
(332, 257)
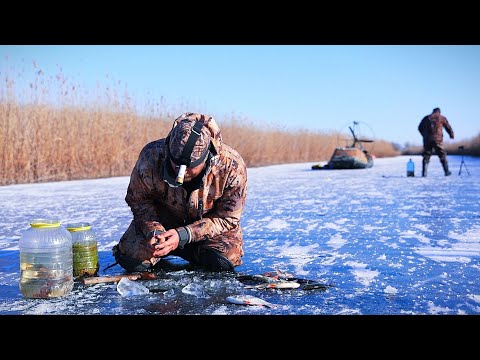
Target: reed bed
(52, 130)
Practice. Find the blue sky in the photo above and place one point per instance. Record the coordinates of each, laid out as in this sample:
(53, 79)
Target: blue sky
(316, 87)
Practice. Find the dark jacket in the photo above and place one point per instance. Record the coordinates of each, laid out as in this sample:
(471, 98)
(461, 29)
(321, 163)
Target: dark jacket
(431, 127)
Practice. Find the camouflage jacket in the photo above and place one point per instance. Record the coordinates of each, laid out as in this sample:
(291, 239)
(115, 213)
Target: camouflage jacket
(431, 128)
(214, 208)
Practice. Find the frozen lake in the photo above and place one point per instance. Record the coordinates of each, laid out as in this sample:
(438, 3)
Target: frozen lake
(387, 243)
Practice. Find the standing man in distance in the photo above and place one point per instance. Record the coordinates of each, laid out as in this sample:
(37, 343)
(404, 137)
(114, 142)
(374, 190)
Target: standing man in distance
(431, 127)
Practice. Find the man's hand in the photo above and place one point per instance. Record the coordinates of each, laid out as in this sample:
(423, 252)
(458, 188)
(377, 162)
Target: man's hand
(165, 242)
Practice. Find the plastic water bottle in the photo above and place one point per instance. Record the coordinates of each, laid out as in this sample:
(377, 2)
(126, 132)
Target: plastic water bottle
(45, 260)
(410, 168)
(85, 251)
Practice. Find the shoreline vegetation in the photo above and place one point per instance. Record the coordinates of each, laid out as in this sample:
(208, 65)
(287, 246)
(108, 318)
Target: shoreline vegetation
(471, 147)
(41, 143)
(72, 138)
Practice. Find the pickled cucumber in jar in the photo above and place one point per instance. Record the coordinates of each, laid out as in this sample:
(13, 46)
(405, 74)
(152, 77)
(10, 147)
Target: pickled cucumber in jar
(84, 249)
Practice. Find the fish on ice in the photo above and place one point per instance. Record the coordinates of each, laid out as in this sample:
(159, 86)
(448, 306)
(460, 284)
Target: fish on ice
(249, 300)
(279, 284)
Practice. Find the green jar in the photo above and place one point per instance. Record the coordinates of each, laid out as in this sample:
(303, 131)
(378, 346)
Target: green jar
(85, 250)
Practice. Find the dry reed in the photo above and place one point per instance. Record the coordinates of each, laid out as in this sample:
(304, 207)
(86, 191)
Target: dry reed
(77, 139)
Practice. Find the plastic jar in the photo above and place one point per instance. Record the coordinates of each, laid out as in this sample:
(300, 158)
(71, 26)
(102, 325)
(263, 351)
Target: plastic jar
(45, 260)
(84, 248)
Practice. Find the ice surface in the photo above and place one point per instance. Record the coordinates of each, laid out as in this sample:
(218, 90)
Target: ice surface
(389, 244)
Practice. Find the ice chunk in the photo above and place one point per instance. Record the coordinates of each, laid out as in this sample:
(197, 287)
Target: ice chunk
(169, 294)
(213, 284)
(127, 287)
(196, 290)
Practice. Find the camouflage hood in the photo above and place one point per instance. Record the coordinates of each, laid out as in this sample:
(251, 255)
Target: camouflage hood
(208, 143)
(210, 134)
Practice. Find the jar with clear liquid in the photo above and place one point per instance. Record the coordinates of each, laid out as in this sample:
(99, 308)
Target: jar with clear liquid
(85, 251)
(45, 260)
(410, 168)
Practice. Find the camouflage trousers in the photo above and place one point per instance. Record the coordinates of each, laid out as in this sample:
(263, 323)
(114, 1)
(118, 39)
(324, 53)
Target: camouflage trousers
(428, 147)
(221, 253)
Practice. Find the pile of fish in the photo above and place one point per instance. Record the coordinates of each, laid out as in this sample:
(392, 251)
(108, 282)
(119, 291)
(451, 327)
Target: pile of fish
(280, 280)
(272, 280)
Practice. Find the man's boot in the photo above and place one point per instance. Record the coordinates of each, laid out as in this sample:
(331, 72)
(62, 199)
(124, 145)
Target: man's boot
(445, 167)
(424, 168)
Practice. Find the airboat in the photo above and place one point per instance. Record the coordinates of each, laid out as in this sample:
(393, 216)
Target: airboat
(354, 156)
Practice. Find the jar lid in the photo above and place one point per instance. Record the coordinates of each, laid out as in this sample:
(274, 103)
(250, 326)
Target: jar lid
(78, 227)
(43, 224)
